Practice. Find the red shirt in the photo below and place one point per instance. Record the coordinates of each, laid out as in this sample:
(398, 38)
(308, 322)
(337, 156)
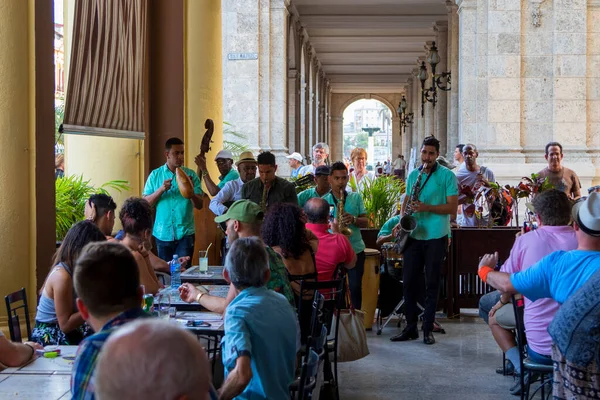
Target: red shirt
(334, 249)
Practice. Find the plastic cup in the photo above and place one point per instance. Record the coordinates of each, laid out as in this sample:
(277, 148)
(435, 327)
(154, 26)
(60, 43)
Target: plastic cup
(202, 262)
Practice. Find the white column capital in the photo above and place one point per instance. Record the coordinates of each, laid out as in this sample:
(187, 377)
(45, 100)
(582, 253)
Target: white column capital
(466, 4)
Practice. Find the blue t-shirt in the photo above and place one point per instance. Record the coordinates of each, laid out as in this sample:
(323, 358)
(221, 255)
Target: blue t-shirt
(557, 276)
(261, 324)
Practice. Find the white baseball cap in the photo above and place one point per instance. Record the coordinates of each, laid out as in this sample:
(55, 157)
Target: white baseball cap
(224, 154)
(295, 156)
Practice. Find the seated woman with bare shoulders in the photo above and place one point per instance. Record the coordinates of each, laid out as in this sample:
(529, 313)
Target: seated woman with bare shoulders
(136, 219)
(284, 230)
(57, 321)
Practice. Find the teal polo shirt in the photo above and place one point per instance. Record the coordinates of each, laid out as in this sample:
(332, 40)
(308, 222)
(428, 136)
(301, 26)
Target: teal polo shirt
(306, 195)
(354, 205)
(388, 227)
(442, 184)
(232, 175)
(174, 217)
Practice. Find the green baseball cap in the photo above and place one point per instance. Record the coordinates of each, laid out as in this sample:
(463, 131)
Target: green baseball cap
(243, 211)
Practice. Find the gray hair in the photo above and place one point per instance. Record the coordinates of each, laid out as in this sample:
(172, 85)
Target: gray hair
(321, 145)
(175, 366)
(247, 262)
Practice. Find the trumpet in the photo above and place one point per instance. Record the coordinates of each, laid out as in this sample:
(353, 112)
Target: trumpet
(342, 227)
(265, 193)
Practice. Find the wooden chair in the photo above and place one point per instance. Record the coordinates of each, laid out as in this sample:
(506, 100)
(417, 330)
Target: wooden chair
(14, 324)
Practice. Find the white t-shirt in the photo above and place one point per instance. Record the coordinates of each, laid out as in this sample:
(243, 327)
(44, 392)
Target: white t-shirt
(307, 169)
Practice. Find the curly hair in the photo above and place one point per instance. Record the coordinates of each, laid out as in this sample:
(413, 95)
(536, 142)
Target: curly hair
(283, 227)
(136, 215)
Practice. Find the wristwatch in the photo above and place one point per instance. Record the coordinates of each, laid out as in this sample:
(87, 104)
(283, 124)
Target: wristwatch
(354, 220)
(204, 173)
(199, 297)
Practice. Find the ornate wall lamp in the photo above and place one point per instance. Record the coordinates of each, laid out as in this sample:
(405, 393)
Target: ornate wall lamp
(440, 81)
(405, 118)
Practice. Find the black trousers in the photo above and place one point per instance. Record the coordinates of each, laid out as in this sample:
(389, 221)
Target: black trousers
(422, 267)
(355, 276)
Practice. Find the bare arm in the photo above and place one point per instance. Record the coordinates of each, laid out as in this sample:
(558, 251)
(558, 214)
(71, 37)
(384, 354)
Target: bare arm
(313, 240)
(237, 380)
(16, 354)
(154, 197)
(212, 188)
(158, 264)
(147, 276)
(68, 320)
(189, 293)
(501, 281)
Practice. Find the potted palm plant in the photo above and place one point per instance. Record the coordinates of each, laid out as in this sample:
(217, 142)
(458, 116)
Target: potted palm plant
(381, 197)
(71, 194)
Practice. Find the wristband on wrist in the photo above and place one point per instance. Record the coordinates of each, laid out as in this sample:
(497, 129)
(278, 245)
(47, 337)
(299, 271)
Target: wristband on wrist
(483, 272)
(32, 349)
(198, 297)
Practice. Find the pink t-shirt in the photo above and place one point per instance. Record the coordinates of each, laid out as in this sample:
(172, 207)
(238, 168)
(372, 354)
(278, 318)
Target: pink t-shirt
(528, 250)
(334, 248)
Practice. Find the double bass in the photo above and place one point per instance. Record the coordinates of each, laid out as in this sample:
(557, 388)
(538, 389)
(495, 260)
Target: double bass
(184, 182)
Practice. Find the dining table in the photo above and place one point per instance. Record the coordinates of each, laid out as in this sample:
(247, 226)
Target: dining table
(214, 275)
(41, 377)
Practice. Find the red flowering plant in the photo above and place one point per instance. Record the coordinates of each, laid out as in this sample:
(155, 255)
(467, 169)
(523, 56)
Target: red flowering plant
(527, 189)
(488, 201)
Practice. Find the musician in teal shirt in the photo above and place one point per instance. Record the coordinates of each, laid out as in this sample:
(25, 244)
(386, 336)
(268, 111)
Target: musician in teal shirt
(355, 217)
(174, 228)
(431, 196)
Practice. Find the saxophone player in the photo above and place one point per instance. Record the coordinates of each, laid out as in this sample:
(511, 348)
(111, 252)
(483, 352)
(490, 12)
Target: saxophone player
(434, 199)
(268, 189)
(354, 217)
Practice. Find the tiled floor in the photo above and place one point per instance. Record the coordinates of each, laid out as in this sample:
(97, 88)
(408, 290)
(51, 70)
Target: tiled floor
(30, 387)
(461, 365)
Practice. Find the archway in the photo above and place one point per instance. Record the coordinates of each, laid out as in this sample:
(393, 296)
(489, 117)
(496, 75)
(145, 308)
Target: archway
(368, 124)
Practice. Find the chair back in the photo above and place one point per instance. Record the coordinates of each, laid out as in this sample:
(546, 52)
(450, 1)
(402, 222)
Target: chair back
(308, 377)
(333, 297)
(519, 308)
(12, 310)
(316, 320)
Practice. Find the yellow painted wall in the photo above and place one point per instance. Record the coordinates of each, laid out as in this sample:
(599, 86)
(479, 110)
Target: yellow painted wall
(17, 202)
(101, 159)
(203, 78)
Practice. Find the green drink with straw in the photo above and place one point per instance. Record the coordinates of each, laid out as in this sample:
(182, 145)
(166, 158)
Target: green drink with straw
(203, 261)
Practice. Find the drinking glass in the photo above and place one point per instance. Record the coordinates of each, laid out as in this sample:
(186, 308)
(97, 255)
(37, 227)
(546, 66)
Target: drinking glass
(202, 262)
(164, 304)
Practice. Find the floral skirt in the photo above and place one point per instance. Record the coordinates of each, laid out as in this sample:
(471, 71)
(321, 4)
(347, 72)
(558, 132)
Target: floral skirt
(49, 333)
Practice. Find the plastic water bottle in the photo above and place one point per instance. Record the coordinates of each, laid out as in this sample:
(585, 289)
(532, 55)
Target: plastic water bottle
(175, 272)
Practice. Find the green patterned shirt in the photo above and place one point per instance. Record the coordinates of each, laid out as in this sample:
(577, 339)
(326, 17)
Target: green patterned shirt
(279, 280)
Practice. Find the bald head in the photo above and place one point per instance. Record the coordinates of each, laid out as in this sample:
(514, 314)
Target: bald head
(317, 211)
(152, 359)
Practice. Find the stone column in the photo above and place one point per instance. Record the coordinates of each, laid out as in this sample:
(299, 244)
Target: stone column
(292, 110)
(396, 137)
(407, 133)
(309, 102)
(17, 194)
(452, 102)
(441, 108)
(430, 112)
(593, 87)
(468, 72)
(277, 31)
(337, 138)
(418, 120)
(315, 100)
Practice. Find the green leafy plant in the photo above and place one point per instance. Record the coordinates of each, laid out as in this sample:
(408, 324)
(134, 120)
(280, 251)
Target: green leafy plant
(381, 197)
(526, 189)
(71, 194)
(234, 141)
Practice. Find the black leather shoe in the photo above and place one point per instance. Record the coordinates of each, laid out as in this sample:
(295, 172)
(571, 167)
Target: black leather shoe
(407, 334)
(428, 338)
(510, 369)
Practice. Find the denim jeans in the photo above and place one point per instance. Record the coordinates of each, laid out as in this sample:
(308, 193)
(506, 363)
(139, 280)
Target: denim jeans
(538, 358)
(182, 247)
(486, 302)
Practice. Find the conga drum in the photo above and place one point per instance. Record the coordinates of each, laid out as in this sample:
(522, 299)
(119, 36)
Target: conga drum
(370, 286)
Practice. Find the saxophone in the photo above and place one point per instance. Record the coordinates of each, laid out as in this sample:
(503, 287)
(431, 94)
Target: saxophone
(342, 227)
(265, 193)
(408, 223)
